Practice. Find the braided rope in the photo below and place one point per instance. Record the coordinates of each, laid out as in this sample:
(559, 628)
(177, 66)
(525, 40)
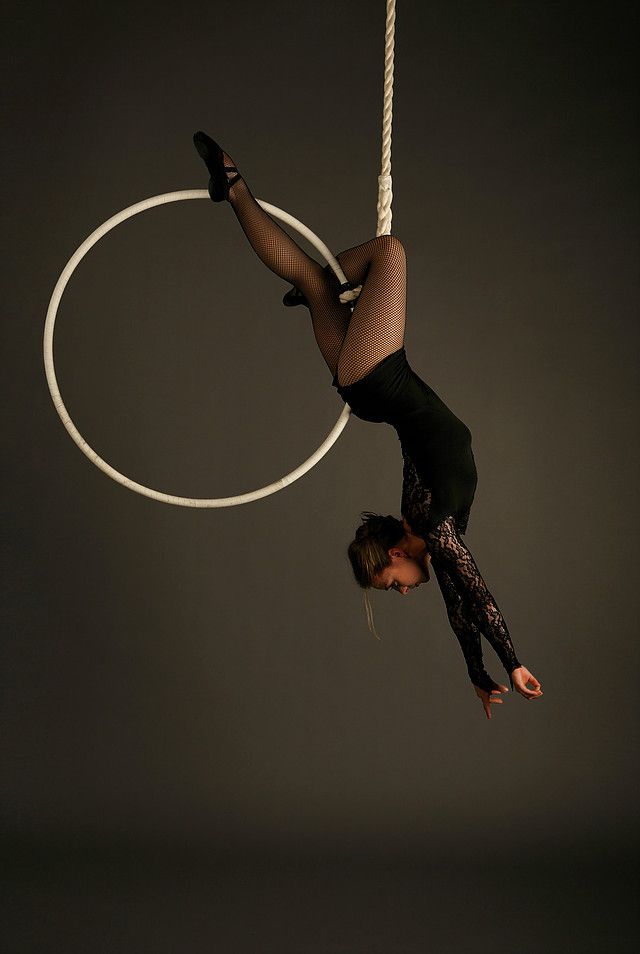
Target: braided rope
(348, 293)
(385, 190)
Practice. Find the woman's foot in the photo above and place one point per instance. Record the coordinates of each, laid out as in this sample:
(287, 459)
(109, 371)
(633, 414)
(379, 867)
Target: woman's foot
(221, 169)
(294, 297)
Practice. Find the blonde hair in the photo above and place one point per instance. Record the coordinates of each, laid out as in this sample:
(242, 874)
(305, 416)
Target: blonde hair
(368, 610)
(369, 554)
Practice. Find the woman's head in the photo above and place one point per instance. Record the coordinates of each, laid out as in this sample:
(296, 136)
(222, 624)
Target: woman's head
(379, 557)
(369, 552)
(383, 556)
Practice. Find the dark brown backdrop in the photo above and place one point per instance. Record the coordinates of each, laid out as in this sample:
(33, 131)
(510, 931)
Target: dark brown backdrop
(203, 743)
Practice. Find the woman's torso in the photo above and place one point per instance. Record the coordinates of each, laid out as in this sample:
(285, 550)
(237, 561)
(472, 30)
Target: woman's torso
(436, 444)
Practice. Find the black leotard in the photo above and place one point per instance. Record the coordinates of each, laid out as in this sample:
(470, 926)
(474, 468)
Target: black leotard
(439, 482)
(433, 440)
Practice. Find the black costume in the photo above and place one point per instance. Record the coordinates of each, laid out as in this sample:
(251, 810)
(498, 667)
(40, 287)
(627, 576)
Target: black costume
(364, 352)
(439, 482)
(434, 441)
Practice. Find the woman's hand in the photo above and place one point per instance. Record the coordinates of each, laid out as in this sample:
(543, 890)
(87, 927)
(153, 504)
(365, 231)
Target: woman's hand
(522, 680)
(489, 698)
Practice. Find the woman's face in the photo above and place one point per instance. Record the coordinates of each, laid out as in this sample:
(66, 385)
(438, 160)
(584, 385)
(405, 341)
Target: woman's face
(403, 574)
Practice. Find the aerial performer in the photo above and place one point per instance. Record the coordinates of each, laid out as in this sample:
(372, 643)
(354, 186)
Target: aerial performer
(363, 347)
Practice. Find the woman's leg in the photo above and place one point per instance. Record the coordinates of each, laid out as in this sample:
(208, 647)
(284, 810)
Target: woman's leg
(278, 251)
(351, 344)
(377, 324)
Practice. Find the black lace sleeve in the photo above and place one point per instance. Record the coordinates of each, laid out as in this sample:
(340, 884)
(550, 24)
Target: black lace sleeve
(470, 606)
(466, 632)
(479, 606)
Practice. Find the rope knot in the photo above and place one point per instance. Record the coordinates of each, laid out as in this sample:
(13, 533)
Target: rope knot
(349, 292)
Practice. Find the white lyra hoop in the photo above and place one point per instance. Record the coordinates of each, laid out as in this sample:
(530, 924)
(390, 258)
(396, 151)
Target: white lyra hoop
(52, 311)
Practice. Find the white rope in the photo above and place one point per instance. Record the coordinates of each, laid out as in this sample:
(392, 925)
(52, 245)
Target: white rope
(385, 190)
(65, 417)
(385, 184)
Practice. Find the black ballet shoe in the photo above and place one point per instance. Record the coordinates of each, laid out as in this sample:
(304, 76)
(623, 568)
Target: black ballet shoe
(210, 151)
(294, 297)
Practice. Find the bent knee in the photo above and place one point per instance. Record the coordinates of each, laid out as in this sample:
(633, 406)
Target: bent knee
(391, 245)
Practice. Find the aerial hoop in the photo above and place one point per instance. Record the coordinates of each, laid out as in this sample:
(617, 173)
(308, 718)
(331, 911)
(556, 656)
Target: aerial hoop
(348, 294)
(65, 417)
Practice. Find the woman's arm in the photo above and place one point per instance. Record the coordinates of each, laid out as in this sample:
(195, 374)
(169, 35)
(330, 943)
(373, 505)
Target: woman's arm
(478, 605)
(466, 632)
(468, 635)
(471, 607)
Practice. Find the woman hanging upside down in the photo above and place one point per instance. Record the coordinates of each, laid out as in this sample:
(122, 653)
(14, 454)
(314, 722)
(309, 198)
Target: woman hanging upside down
(364, 350)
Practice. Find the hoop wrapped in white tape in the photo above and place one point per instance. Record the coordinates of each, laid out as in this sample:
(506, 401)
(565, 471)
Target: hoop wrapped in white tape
(86, 449)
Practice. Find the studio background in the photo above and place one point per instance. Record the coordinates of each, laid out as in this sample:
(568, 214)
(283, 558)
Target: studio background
(202, 742)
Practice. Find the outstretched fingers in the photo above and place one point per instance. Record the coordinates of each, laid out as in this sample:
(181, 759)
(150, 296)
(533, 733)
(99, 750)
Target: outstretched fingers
(493, 699)
(490, 698)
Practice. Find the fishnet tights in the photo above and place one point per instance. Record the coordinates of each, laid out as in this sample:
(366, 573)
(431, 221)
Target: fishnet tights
(351, 343)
